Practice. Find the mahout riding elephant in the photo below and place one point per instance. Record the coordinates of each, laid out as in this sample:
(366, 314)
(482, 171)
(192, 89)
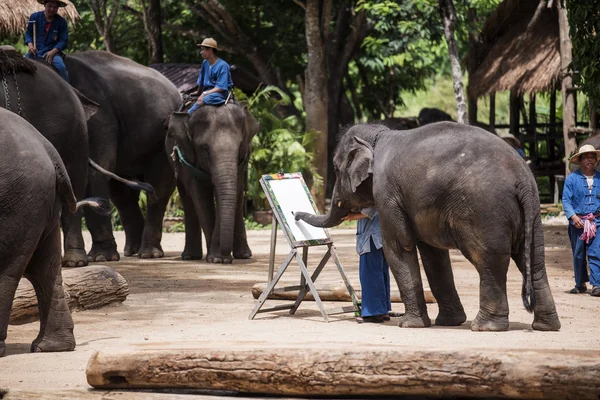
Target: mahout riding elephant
(447, 186)
(211, 161)
(34, 188)
(60, 113)
(127, 137)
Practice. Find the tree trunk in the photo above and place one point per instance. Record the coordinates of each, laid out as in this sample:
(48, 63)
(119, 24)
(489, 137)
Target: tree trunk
(357, 371)
(328, 293)
(104, 20)
(315, 95)
(85, 288)
(566, 57)
(153, 27)
(472, 64)
(449, 17)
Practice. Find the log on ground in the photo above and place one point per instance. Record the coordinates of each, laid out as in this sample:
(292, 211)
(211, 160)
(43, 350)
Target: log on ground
(327, 293)
(337, 370)
(85, 288)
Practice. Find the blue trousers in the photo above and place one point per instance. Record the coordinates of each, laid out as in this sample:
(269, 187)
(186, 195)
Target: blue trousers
(580, 261)
(57, 62)
(374, 274)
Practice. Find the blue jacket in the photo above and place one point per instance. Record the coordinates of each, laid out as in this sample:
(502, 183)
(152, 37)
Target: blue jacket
(366, 229)
(215, 76)
(57, 36)
(576, 197)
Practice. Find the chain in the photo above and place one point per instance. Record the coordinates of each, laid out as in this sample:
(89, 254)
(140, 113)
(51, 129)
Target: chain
(6, 93)
(19, 108)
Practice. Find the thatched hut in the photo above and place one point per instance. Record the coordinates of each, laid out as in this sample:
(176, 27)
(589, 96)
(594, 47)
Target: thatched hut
(14, 15)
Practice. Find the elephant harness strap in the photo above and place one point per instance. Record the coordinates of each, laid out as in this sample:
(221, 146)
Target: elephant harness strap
(8, 67)
(178, 158)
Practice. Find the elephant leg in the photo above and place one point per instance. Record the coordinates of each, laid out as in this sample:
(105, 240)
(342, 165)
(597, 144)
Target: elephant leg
(104, 246)
(401, 253)
(241, 250)
(193, 231)
(74, 245)
(126, 201)
(437, 266)
(492, 266)
(545, 317)
(161, 177)
(44, 273)
(8, 286)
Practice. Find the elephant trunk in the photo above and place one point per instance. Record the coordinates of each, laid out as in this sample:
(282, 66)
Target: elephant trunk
(225, 182)
(332, 218)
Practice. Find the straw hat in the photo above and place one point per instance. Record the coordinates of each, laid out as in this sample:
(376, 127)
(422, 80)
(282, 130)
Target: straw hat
(208, 42)
(510, 138)
(586, 148)
(60, 3)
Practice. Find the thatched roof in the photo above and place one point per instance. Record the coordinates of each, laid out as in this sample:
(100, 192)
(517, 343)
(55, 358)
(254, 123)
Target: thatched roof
(509, 57)
(14, 15)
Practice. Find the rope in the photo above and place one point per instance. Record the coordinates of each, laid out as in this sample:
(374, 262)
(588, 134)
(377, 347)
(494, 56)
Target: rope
(178, 158)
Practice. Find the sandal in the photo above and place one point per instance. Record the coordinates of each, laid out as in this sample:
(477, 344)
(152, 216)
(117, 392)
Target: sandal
(578, 289)
(595, 291)
(375, 319)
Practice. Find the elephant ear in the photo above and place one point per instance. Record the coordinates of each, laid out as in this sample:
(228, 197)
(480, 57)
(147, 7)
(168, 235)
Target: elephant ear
(251, 124)
(360, 162)
(178, 127)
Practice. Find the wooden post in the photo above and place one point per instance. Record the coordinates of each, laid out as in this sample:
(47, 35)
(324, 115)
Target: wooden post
(472, 65)
(566, 57)
(552, 131)
(533, 127)
(593, 118)
(493, 111)
(514, 113)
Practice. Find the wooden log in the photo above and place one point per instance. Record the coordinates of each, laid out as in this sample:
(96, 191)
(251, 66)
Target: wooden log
(327, 293)
(82, 394)
(85, 289)
(337, 370)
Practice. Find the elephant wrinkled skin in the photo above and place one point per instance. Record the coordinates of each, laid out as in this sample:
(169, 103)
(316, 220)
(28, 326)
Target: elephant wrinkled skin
(215, 140)
(447, 186)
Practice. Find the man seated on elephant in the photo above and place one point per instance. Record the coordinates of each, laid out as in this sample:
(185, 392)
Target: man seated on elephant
(581, 202)
(47, 36)
(214, 79)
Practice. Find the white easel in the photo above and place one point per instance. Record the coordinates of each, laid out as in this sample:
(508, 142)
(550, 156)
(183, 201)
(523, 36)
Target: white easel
(288, 193)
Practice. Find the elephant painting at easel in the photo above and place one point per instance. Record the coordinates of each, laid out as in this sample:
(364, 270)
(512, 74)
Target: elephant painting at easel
(210, 150)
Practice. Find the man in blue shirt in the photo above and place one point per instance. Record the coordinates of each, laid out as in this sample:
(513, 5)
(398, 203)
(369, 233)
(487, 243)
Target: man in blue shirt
(51, 36)
(373, 271)
(214, 79)
(581, 202)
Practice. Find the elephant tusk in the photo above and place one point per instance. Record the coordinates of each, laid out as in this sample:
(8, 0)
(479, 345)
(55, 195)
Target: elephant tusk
(340, 204)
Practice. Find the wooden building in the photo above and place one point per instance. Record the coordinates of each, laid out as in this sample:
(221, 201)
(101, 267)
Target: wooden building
(14, 15)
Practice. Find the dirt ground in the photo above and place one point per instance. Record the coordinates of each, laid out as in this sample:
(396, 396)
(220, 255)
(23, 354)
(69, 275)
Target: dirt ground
(172, 301)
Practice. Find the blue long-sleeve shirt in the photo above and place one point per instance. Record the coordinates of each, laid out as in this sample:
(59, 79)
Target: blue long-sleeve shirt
(577, 198)
(57, 36)
(213, 76)
(366, 229)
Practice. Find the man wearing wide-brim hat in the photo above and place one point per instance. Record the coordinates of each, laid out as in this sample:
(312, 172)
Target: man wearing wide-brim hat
(214, 79)
(581, 202)
(47, 36)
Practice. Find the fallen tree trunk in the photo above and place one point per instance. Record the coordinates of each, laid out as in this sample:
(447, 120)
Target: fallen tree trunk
(85, 289)
(82, 394)
(327, 293)
(353, 371)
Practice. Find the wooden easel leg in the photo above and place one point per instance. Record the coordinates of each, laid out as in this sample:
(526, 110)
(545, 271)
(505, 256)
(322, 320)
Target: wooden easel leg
(304, 289)
(311, 287)
(273, 245)
(344, 278)
(263, 297)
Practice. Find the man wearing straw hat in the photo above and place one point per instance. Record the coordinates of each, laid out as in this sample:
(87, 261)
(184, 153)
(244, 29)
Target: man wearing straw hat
(214, 79)
(581, 202)
(47, 35)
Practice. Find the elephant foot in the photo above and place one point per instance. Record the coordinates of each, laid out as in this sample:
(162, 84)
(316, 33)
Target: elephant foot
(188, 256)
(75, 258)
(451, 318)
(151, 252)
(483, 323)
(219, 259)
(546, 322)
(131, 249)
(243, 255)
(48, 346)
(104, 252)
(414, 321)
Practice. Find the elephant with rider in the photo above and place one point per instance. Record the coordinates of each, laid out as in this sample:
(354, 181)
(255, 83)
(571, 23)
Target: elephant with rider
(447, 186)
(210, 151)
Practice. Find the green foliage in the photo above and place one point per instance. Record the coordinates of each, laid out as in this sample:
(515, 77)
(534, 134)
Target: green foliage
(252, 225)
(279, 146)
(584, 25)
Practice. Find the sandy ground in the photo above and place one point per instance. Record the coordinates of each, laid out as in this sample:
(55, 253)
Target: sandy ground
(173, 301)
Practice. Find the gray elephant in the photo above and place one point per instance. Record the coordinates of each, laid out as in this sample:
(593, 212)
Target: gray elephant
(34, 188)
(126, 136)
(211, 160)
(447, 186)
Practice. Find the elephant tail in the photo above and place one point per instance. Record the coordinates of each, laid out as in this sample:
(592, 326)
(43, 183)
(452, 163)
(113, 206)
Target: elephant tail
(526, 195)
(146, 187)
